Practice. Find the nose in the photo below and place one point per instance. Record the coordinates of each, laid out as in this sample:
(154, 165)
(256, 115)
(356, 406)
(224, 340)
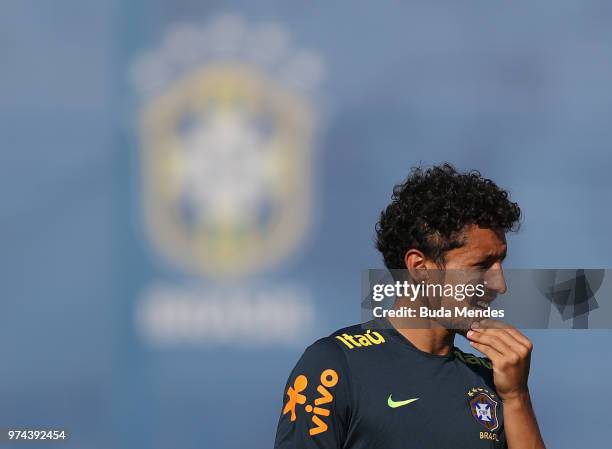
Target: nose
(495, 280)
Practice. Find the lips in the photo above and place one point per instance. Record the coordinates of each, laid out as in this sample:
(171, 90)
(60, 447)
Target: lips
(484, 302)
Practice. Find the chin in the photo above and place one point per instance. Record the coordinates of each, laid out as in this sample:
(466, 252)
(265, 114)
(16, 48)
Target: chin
(462, 332)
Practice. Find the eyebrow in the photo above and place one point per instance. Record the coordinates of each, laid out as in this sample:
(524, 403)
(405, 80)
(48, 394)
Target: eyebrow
(493, 258)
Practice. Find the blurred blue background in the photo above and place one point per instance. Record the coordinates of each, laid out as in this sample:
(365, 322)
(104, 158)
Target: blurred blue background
(189, 191)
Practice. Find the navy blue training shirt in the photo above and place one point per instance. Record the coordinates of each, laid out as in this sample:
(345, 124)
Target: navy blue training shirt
(366, 386)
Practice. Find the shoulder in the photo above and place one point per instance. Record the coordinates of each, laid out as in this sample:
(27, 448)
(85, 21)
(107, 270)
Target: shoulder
(338, 347)
(323, 363)
(471, 359)
(358, 336)
(480, 366)
(324, 349)
(332, 346)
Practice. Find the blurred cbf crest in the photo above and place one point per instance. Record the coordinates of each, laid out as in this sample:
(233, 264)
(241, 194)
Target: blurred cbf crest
(226, 128)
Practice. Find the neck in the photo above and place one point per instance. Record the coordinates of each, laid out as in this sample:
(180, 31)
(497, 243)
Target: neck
(437, 341)
(426, 335)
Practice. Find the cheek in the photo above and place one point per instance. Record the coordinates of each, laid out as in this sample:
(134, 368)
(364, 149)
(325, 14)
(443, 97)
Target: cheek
(453, 265)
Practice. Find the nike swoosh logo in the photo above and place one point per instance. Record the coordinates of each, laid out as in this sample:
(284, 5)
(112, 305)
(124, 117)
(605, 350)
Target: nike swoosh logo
(395, 404)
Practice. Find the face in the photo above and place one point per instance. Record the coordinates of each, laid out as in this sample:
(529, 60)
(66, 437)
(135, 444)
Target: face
(478, 261)
(484, 250)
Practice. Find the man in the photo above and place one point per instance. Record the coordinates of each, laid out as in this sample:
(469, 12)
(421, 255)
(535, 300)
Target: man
(388, 386)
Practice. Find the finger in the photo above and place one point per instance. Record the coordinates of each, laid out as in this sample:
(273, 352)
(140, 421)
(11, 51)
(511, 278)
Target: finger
(519, 336)
(490, 339)
(490, 352)
(516, 346)
(514, 333)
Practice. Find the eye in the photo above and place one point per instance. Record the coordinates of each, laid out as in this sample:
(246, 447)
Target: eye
(489, 264)
(486, 264)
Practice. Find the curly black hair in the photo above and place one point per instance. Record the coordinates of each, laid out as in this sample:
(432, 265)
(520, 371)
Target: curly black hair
(432, 207)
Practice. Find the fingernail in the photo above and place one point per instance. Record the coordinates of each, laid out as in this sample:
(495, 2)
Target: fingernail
(470, 334)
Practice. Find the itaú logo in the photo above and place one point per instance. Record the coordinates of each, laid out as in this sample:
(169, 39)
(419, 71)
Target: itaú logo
(369, 338)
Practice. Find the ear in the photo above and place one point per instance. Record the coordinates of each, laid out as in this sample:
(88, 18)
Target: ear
(416, 263)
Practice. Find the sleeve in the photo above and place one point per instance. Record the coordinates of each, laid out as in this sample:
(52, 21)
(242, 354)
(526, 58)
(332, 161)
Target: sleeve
(316, 405)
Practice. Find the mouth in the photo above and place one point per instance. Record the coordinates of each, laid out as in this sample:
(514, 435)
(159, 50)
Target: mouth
(483, 303)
